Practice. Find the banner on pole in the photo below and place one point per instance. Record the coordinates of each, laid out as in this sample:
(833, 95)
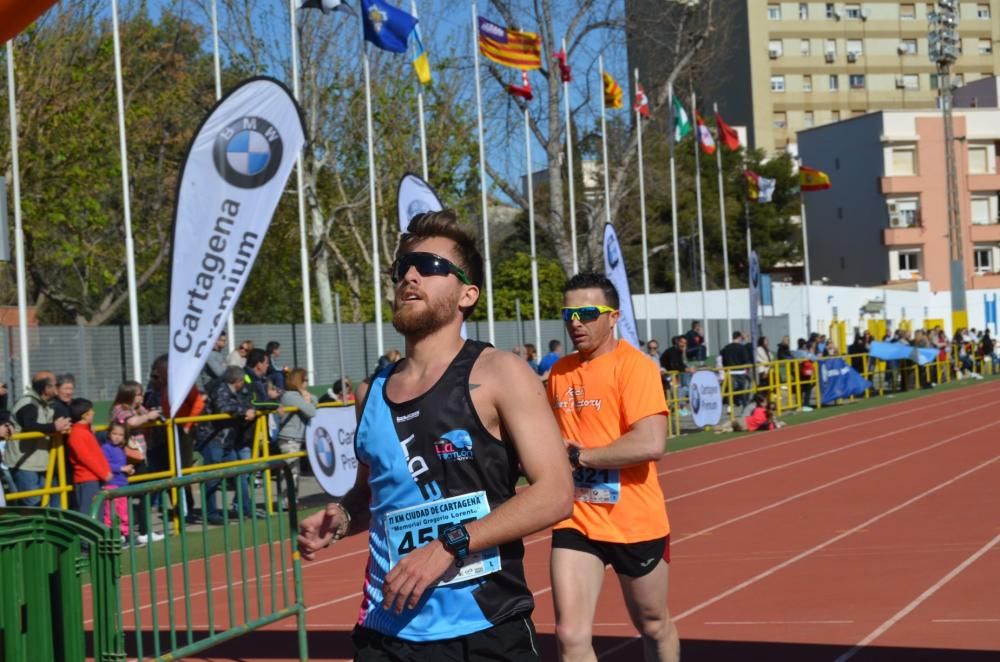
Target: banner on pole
(754, 281)
(839, 380)
(705, 394)
(236, 168)
(614, 269)
(330, 447)
(414, 196)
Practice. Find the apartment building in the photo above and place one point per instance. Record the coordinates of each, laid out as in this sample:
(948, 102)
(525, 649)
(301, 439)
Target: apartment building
(813, 63)
(885, 221)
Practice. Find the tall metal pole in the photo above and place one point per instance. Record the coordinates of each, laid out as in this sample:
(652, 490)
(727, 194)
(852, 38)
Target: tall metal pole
(604, 146)
(22, 294)
(420, 110)
(642, 216)
(569, 171)
(805, 262)
(340, 345)
(373, 215)
(230, 323)
(722, 219)
(535, 299)
(673, 206)
(487, 260)
(303, 248)
(701, 224)
(133, 297)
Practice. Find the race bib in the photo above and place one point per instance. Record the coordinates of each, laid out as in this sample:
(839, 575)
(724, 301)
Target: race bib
(413, 527)
(597, 485)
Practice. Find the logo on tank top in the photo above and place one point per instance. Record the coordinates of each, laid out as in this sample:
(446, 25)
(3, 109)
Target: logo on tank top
(454, 446)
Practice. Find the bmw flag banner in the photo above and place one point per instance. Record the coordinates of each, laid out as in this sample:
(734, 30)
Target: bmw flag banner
(330, 447)
(236, 168)
(839, 380)
(614, 269)
(414, 196)
(754, 280)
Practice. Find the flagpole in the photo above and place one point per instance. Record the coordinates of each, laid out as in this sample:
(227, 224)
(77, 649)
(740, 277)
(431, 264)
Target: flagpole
(642, 216)
(488, 264)
(420, 110)
(531, 229)
(673, 207)
(701, 225)
(569, 169)
(303, 248)
(373, 215)
(805, 260)
(22, 296)
(133, 305)
(722, 217)
(604, 146)
(230, 324)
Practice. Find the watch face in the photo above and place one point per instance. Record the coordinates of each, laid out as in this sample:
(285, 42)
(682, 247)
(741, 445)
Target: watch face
(455, 535)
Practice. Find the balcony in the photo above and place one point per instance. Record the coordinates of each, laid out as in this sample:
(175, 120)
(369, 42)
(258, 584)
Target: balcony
(901, 184)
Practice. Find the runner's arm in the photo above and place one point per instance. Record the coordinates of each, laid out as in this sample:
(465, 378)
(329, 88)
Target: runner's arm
(646, 441)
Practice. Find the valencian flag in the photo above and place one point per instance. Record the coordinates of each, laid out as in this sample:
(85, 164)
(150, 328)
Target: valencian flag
(511, 48)
(759, 189)
(385, 26)
(727, 134)
(641, 102)
(811, 179)
(704, 136)
(565, 74)
(612, 92)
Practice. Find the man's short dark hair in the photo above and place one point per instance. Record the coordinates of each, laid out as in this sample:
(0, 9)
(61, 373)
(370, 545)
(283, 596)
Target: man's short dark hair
(445, 224)
(271, 346)
(554, 345)
(232, 374)
(65, 378)
(695, 323)
(589, 280)
(737, 335)
(78, 407)
(255, 357)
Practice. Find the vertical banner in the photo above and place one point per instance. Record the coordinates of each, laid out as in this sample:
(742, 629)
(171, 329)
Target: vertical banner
(236, 168)
(614, 269)
(4, 228)
(330, 447)
(754, 299)
(414, 196)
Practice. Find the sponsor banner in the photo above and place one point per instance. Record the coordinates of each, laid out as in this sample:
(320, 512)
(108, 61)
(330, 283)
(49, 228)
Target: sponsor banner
(330, 447)
(754, 281)
(839, 380)
(232, 179)
(705, 394)
(414, 196)
(614, 269)
(894, 351)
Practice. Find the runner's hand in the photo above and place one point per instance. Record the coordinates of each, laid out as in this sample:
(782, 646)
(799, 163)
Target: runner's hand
(319, 530)
(405, 584)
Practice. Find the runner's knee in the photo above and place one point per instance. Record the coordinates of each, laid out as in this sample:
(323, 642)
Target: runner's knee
(574, 636)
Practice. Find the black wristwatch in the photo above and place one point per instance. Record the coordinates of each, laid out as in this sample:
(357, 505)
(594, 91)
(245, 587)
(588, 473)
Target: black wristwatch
(574, 456)
(456, 540)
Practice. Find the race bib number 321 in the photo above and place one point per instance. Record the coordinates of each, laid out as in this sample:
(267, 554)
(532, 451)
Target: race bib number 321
(413, 527)
(597, 485)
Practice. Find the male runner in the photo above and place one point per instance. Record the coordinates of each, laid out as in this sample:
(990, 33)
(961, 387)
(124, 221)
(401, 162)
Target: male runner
(440, 437)
(610, 407)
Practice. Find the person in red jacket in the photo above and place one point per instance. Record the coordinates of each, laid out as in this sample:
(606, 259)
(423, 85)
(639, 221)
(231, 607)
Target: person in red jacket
(90, 467)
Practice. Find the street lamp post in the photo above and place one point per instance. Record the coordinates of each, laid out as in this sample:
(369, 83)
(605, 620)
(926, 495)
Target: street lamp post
(942, 41)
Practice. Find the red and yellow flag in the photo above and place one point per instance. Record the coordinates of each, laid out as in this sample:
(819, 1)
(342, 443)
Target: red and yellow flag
(15, 15)
(811, 179)
(511, 48)
(612, 92)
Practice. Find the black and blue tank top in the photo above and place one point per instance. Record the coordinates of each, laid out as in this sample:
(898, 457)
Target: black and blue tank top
(431, 451)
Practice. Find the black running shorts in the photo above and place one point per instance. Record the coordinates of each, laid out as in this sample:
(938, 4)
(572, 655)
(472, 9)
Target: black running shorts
(513, 640)
(634, 559)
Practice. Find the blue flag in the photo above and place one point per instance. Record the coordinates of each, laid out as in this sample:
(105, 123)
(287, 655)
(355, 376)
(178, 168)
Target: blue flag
(839, 380)
(385, 26)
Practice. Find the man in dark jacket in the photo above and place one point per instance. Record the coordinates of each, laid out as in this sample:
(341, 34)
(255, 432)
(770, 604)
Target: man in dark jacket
(28, 459)
(696, 343)
(225, 437)
(738, 353)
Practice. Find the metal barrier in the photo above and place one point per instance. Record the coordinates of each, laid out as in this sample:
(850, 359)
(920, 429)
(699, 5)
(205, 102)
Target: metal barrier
(175, 585)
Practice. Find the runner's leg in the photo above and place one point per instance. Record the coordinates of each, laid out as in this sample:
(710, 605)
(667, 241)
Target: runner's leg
(646, 599)
(576, 585)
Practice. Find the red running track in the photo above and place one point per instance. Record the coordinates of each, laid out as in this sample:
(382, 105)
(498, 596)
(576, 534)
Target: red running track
(871, 535)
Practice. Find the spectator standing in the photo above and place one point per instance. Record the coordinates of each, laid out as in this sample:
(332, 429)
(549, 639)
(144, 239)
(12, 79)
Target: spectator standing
(807, 370)
(28, 459)
(65, 388)
(275, 371)
(238, 356)
(216, 362)
(261, 390)
(988, 348)
(292, 426)
(555, 352)
(784, 349)
(653, 351)
(762, 361)
(339, 391)
(90, 468)
(128, 409)
(531, 355)
(225, 437)
(113, 449)
(696, 343)
(735, 358)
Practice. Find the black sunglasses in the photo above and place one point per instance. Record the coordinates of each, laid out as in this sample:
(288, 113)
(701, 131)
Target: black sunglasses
(427, 264)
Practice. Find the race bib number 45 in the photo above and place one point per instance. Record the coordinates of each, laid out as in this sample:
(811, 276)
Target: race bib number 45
(413, 527)
(597, 485)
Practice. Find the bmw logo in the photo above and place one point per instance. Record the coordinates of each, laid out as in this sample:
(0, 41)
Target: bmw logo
(613, 253)
(247, 153)
(325, 452)
(695, 398)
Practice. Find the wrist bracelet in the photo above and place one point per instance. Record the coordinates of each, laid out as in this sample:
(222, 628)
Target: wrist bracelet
(345, 528)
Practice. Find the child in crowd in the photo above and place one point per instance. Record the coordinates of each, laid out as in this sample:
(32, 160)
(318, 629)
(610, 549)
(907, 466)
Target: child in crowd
(114, 452)
(90, 468)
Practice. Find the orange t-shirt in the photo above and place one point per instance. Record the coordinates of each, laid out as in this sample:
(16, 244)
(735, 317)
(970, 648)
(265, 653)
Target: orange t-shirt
(596, 402)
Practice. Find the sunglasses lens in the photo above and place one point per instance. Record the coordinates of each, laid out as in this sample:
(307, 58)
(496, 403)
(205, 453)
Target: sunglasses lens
(584, 313)
(426, 264)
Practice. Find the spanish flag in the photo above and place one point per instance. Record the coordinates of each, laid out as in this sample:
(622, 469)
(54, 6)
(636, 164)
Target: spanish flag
(612, 92)
(811, 179)
(511, 48)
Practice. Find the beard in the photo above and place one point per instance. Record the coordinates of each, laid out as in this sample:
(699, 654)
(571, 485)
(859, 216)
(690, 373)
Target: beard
(416, 324)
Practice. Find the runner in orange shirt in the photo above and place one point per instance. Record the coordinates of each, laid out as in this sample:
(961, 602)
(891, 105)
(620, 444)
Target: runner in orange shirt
(609, 403)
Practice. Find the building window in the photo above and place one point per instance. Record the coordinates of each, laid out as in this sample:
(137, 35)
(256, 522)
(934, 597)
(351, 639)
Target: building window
(935, 81)
(978, 160)
(983, 259)
(807, 83)
(908, 263)
(805, 47)
(775, 48)
(835, 117)
(808, 119)
(981, 212)
(853, 11)
(856, 81)
(833, 82)
(983, 11)
(830, 47)
(904, 161)
(904, 213)
(777, 83)
(803, 11)
(780, 121)
(908, 47)
(855, 47)
(910, 81)
(774, 12)
(985, 46)
(908, 11)
(830, 11)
